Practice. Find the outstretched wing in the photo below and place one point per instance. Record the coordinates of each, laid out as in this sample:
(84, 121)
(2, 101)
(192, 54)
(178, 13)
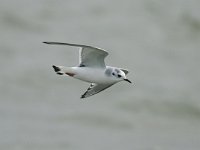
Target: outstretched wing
(89, 56)
(94, 89)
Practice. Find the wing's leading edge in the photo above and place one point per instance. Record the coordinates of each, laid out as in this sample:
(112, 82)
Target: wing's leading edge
(89, 56)
(94, 89)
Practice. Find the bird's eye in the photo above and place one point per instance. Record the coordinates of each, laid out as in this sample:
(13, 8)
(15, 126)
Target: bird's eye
(119, 76)
(113, 74)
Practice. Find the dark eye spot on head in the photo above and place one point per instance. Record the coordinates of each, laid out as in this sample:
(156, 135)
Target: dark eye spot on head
(119, 76)
(113, 74)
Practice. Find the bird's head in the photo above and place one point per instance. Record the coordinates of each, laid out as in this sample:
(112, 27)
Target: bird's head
(119, 75)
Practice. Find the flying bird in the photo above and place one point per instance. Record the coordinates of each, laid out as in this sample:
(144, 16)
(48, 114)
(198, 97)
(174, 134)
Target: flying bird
(92, 69)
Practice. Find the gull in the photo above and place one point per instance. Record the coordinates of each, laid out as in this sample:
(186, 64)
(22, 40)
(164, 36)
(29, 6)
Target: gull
(92, 69)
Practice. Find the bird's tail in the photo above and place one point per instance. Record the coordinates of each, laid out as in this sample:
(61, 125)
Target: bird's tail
(61, 70)
(58, 70)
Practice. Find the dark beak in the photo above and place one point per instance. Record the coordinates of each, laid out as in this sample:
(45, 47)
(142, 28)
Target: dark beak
(127, 80)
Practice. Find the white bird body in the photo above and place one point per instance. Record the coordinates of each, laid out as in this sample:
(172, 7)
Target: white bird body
(92, 69)
(91, 75)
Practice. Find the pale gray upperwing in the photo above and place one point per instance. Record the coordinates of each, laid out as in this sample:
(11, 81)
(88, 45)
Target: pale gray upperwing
(94, 89)
(88, 56)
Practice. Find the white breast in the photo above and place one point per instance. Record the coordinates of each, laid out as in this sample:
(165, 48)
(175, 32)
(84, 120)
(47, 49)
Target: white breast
(92, 75)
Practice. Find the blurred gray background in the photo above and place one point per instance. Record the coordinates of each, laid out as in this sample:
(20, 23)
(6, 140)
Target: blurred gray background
(158, 41)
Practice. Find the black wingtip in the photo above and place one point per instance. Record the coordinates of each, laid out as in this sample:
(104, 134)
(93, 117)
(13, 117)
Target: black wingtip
(46, 42)
(59, 73)
(56, 69)
(82, 96)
